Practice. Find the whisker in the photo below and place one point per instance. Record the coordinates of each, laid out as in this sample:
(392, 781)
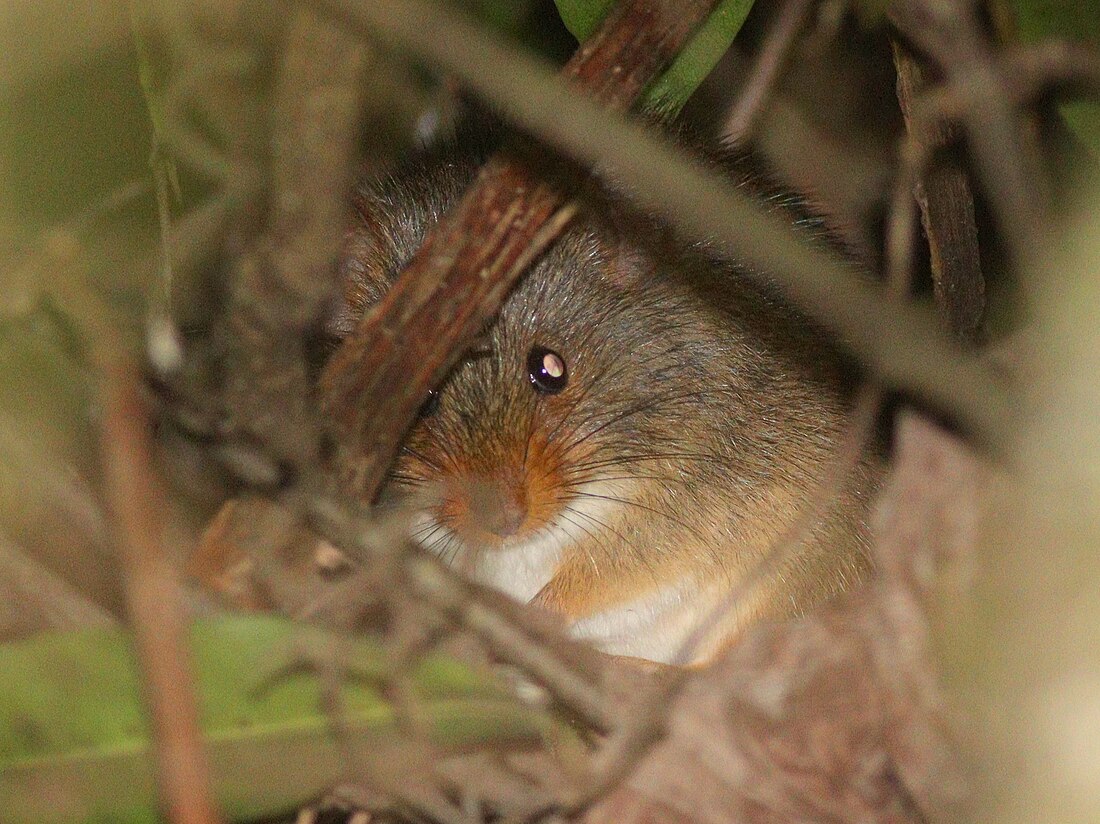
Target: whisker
(558, 450)
(440, 536)
(426, 531)
(623, 460)
(636, 410)
(420, 456)
(451, 546)
(583, 481)
(627, 502)
(406, 480)
(561, 448)
(588, 553)
(639, 553)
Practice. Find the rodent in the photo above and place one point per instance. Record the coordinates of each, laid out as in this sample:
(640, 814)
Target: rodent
(640, 425)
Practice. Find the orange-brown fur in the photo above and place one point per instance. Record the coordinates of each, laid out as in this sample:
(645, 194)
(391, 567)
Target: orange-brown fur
(703, 408)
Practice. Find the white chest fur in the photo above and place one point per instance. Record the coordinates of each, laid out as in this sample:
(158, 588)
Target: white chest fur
(654, 626)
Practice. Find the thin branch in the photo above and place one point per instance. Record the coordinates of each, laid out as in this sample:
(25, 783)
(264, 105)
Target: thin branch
(510, 631)
(154, 598)
(429, 580)
(34, 599)
(765, 72)
(629, 744)
(647, 718)
(901, 240)
(1006, 157)
(1071, 69)
(946, 202)
(864, 414)
(1066, 70)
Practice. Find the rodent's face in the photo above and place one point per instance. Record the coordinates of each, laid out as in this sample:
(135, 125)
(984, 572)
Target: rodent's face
(547, 418)
(584, 389)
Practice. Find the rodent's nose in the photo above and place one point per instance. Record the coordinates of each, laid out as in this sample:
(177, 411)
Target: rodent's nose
(497, 506)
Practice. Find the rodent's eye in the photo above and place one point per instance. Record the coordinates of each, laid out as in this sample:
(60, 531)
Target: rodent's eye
(547, 370)
(430, 405)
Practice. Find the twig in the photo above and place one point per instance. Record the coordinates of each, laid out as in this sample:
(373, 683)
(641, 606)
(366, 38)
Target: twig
(33, 598)
(697, 200)
(901, 240)
(510, 634)
(428, 579)
(469, 262)
(1067, 68)
(153, 597)
(1006, 158)
(773, 56)
(112, 203)
(946, 202)
(943, 192)
(865, 410)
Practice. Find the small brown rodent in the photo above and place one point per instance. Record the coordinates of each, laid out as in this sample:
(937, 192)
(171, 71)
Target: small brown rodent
(640, 427)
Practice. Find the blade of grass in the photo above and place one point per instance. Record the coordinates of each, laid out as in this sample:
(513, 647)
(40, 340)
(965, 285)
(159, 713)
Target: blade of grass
(75, 745)
(670, 91)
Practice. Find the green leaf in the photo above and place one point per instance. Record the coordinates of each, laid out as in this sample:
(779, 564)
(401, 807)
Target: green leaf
(1069, 20)
(582, 16)
(670, 91)
(74, 739)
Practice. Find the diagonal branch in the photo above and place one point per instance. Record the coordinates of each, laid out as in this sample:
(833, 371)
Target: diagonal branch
(775, 53)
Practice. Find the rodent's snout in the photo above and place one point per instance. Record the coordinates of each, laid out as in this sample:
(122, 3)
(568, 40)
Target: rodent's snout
(492, 505)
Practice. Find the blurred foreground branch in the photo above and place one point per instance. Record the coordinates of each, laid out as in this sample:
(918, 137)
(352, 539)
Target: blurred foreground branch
(154, 598)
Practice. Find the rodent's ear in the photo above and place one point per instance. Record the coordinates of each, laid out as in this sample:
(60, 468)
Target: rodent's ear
(630, 245)
(627, 267)
(361, 283)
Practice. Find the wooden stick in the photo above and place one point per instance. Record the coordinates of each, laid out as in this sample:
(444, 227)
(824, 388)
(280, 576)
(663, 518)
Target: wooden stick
(775, 51)
(153, 598)
(942, 190)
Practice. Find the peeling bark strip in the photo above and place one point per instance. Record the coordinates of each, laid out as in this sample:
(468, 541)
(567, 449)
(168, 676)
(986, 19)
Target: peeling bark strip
(946, 202)
(380, 375)
(1006, 157)
(457, 281)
